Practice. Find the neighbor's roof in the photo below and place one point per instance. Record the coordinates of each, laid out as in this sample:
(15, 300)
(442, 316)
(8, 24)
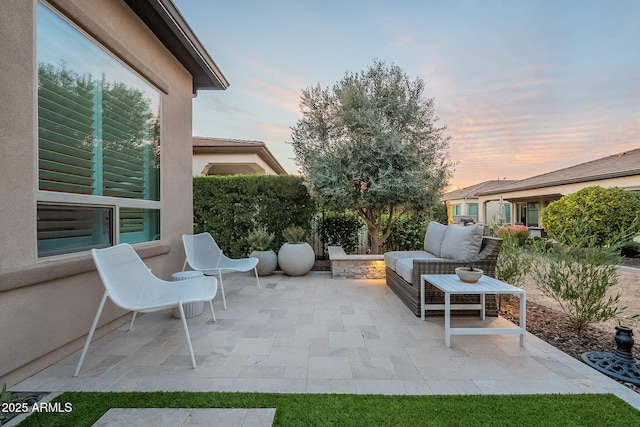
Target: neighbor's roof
(615, 166)
(167, 23)
(204, 145)
(473, 190)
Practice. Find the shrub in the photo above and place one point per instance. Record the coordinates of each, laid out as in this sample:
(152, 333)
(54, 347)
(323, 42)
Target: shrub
(519, 232)
(607, 213)
(579, 274)
(229, 207)
(514, 262)
(407, 232)
(341, 229)
(630, 249)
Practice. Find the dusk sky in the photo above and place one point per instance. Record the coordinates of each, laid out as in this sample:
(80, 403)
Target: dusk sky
(524, 87)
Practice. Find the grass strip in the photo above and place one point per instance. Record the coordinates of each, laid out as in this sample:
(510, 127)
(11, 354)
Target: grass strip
(364, 410)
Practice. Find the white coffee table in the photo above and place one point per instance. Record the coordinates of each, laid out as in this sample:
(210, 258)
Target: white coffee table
(450, 284)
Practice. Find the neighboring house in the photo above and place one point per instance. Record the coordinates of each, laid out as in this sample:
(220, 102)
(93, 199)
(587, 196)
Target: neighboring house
(219, 156)
(529, 197)
(95, 150)
(463, 204)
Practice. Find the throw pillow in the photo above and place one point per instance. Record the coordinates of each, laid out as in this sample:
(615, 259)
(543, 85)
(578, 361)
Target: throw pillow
(434, 237)
(461, 242)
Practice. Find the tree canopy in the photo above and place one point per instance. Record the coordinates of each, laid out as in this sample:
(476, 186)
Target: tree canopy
(370, 144)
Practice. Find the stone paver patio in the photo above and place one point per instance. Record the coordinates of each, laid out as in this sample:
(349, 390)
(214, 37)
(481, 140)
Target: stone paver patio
(315, 334)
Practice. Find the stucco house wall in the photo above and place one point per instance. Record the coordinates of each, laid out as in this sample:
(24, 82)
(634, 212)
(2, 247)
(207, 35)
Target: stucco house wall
(47, 305)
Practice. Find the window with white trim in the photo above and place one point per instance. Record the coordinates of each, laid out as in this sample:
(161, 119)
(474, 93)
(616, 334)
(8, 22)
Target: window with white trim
(98, 144)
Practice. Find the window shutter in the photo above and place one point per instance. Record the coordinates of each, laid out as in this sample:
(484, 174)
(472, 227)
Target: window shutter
(65, 132)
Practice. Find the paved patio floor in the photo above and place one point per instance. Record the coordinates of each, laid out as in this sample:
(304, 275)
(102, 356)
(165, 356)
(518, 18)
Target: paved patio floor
(315, 334)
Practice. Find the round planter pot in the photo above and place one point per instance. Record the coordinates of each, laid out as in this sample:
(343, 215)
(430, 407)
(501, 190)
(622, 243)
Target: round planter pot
(296, 259)
(469, 276)
(268, 262)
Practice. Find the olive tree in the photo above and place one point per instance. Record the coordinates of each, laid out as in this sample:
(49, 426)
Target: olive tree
(370, 144)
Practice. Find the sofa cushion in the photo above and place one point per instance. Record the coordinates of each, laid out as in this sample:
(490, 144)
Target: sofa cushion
(404, 267)
(390, 258)
(434, 237)
(461, 242)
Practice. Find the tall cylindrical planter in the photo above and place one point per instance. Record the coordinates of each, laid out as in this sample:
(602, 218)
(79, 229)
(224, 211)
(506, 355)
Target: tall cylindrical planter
(296, 259)
(268, 262)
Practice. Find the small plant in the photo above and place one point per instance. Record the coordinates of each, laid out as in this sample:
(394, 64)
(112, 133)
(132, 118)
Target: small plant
(294, 234)
(6, 397)
(259, 239)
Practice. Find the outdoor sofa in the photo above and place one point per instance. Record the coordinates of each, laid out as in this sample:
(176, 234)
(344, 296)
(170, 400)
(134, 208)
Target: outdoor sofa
(445, 248)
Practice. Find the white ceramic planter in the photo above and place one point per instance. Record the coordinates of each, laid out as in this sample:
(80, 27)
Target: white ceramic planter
(296, 259)
(268, 262)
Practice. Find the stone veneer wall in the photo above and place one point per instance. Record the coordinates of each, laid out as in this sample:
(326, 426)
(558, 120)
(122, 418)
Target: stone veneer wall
(355, 266)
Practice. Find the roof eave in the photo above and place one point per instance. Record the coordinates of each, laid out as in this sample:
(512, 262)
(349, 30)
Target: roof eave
(261, 150)
(563, 182)
(167, 23)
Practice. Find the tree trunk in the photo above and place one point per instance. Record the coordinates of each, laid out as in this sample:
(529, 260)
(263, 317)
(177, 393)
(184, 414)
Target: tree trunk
(375, 243)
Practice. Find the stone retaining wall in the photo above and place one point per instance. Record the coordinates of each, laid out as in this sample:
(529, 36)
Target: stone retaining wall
(355, 266)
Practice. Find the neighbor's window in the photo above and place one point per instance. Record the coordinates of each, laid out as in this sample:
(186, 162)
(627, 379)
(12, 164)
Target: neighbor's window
(98, 144)
(473, 209)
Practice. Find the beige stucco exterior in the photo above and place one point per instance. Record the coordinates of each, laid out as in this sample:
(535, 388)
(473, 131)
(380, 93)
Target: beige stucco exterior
(230, 164)
(47, 306)
(223, 156)
(545, 195)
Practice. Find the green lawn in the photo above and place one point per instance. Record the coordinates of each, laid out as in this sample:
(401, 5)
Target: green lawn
(365, 410)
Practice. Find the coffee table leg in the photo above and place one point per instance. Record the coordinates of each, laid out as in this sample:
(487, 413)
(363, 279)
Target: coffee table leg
(523, 317)
(447, 319)
(422, 298)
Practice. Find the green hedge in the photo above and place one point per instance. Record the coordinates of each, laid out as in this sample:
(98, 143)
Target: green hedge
(341, 229)
(229, 207)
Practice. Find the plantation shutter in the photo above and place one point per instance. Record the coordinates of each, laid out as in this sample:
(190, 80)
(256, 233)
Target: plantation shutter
(129, 168)
(65, 133)
(124, 145)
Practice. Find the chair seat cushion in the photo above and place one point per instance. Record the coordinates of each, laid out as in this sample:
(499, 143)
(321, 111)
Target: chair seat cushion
(390, 258)
(404, 267)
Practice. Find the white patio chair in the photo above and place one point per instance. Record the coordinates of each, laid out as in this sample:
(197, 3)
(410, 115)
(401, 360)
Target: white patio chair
(204, 254)
(131, 286)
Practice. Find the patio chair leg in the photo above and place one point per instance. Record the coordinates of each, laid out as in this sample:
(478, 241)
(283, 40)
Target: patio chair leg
(224, 300)
(133, 319)
(91, 331)
(186, 332)
(255, 269)
(213, 315)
